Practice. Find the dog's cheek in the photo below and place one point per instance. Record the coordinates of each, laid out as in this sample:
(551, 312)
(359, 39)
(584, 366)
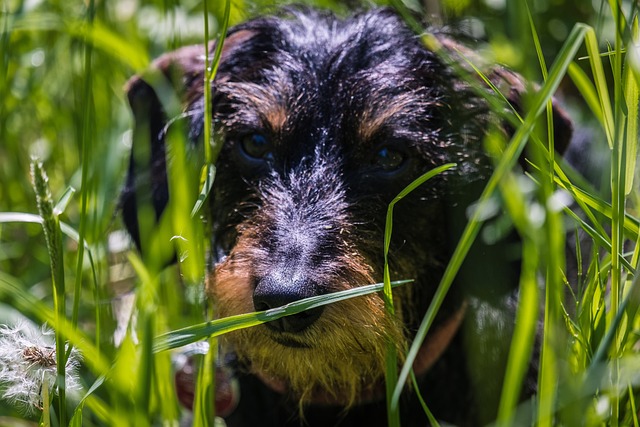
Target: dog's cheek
(229, 285)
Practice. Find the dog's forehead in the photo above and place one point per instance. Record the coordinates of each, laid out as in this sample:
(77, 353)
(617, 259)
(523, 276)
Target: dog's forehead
(310, 42)
(352, 87)
(311, 66)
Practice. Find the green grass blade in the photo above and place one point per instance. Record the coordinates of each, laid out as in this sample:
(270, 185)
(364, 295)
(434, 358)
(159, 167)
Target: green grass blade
(124, 50)
(527, 312)
(76, 419)
(66, 197)
(598, 238)
(601, 84)
(53, 235)
(88, 123)
(207, 179)
(212, 148)
(523, 335)
(631, 224)
(433, 422)
(605, 346)
(587, 90)
(536, 43)
(186, 230)
(389, 221)
(631, 95)
(191, 334)
(23, 217)
(391, 376)
(510, 156)
(204, 411)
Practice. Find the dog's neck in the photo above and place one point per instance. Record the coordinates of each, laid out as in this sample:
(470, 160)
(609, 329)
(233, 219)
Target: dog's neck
(432, 348)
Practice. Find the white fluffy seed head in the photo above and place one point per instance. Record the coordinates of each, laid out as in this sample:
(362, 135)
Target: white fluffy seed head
(28, 364)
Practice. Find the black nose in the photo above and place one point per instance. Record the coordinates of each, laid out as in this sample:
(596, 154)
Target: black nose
(271, 292)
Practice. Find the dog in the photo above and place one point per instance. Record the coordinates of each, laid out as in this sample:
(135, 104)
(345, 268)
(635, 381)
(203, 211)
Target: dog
(324, 120)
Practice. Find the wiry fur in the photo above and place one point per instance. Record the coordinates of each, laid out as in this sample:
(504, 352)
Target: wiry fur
(324, 120)
(300, 216)
(310, 365)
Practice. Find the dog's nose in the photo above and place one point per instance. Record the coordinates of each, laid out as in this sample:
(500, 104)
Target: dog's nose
(271, 292)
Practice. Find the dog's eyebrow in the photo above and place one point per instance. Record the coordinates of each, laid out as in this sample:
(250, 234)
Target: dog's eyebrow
(269, 104)
(376, 114)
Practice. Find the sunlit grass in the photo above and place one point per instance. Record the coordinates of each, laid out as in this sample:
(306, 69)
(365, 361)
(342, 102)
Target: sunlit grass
(62, 69)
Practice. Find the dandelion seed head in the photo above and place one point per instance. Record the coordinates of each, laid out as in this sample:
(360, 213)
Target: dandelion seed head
(28, 363)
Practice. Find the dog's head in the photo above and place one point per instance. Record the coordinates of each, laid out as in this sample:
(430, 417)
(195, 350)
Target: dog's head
(324, 122)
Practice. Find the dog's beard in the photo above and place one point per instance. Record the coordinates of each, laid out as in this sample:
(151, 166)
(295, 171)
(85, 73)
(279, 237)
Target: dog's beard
(340, 359)
(342, 363)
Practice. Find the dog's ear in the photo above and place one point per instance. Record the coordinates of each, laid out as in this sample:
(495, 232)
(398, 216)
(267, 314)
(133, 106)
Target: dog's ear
(154, 97)
(159, 98)
(514, 88)
(510, 84)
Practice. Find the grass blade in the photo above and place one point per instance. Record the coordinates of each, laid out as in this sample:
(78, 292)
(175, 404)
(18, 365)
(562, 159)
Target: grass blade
(601, 84)
(207, 179)
(631, 95)
(392, 359)
(191, 334)
(513, 150)
(53, 235)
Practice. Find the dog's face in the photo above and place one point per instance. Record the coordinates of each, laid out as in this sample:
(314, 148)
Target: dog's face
(324, 122)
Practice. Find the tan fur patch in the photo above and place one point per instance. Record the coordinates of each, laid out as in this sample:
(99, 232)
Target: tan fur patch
(344, 350)
(374, 117)
(269, 102)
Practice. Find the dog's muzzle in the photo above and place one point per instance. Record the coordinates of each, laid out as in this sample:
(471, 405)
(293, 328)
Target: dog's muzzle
(279, 288)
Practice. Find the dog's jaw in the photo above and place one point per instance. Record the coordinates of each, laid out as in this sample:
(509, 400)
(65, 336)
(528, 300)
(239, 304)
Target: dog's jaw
(335, 359)
(331, 362)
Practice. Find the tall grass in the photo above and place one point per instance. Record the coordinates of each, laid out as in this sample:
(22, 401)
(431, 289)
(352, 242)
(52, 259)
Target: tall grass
(62, 69)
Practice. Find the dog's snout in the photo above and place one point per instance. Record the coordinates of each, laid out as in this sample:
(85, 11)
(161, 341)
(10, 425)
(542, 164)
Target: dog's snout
(271, 292)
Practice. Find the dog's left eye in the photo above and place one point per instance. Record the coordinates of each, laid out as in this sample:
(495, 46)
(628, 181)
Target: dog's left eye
(388, 159)
(256, 146)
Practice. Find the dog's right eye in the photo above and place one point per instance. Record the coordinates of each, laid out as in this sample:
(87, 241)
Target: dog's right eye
(256, 147)
(388, 160)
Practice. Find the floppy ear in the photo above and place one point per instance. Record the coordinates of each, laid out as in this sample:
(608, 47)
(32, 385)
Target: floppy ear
(172, 88)
(154, 97)
(513, 87)
(509, 83)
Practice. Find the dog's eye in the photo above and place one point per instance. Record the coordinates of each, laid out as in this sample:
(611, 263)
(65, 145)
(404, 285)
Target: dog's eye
(257, 146)
(388, 160)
